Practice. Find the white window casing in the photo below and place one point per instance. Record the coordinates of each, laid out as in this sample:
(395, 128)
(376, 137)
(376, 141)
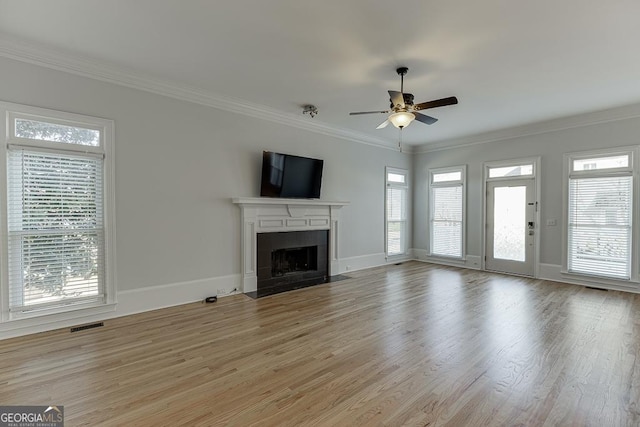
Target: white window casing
(57, 213)
(447, 196)
(396, 207)
(600, 214)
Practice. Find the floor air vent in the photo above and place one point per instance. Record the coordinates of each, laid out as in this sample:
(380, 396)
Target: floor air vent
(83, 327)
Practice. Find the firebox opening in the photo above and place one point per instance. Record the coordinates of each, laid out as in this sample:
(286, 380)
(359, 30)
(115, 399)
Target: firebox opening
(292, 260)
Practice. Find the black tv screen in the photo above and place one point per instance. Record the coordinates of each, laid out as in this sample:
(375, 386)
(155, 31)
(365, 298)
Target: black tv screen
(289, 176)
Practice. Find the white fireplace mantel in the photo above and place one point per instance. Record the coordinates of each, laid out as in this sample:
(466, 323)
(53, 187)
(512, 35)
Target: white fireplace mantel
(273, 215)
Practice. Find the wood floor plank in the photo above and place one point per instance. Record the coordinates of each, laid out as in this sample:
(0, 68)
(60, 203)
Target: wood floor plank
(413, 344)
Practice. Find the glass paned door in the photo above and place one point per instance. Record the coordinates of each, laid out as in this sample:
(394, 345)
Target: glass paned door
(511, 226)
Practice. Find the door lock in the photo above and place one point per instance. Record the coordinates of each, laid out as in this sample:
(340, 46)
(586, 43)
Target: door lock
(530, 224)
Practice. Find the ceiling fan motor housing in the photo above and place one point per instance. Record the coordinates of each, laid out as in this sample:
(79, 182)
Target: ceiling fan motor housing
(408, 100)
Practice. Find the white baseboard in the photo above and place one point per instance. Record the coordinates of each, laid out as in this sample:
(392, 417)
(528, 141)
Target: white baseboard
(361, 262)
(129, 302)
(163, 296)
(554, 273)
(551, 272)
(156, 297)
(49, 322)
(471, 261)
(369, 261)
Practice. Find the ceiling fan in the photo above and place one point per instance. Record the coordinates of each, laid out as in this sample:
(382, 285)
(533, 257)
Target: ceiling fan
(404, 111)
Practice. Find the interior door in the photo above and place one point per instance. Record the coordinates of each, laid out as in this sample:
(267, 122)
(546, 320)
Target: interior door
(511, 227)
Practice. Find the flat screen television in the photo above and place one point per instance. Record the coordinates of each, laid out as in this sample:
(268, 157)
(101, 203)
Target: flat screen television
(289, 176)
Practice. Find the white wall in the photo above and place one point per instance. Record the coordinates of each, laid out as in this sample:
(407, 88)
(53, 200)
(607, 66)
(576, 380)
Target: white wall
(550, 146)
(178, 165)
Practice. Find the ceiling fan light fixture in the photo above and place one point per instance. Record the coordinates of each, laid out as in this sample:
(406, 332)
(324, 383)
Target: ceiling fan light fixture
(401, 119)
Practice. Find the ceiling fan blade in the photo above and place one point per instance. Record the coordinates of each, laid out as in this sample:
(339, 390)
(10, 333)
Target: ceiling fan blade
(452, 100)
(428, 120)
(383, 124)
(396, 99)
(368, 112)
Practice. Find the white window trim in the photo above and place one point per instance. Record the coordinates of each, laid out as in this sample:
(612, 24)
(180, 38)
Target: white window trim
(387, 184)
(13, 320)
(567, 173)
(60, 118)
(512, 162)
(463, 182)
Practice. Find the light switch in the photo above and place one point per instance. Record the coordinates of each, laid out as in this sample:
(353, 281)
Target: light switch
(552, 222)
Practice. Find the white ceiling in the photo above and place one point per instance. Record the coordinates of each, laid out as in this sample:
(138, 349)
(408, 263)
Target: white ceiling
(509, 62)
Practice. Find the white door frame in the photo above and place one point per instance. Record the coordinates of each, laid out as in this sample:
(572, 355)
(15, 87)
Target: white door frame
(536, 179)
(510, 266)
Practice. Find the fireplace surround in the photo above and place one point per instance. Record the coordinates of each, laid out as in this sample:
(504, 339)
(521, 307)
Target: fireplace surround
(263, 215)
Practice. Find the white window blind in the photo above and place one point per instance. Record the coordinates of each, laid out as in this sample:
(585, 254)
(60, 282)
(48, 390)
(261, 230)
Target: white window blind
(396, 219)
(446, 223)
(396, 211)
(599, 226)
(56, 228)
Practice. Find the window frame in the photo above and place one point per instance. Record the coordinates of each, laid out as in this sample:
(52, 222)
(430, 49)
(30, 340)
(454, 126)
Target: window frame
(505, 164)
(105, 150)
(630, 170)
(453, 183)
(405, 234)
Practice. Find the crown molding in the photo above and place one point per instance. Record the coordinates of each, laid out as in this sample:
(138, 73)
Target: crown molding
(63, 61)
(97, 70)
(626, 112)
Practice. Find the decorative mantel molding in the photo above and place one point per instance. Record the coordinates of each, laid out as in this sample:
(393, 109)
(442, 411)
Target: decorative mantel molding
(281, 201)
(273, 215)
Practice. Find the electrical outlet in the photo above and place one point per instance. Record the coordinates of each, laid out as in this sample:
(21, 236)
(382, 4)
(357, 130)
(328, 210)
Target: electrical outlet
(348, 267)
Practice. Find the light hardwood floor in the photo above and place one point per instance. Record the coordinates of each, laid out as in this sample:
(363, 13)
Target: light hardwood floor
(414, 344)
